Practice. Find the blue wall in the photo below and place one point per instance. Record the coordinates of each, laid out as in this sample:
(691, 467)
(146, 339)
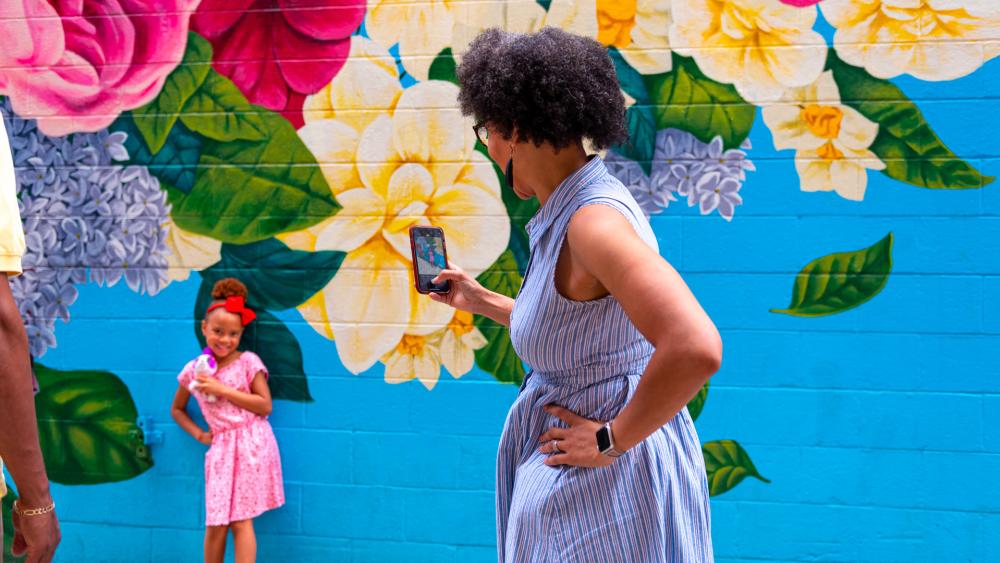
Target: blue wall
(878, 427)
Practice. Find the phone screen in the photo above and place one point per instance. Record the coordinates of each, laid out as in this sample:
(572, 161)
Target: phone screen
(429, 258)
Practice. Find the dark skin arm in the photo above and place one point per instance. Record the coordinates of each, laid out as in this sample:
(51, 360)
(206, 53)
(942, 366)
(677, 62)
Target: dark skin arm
(178, 410)
(659, 303)
(257, 401)
(39, 535)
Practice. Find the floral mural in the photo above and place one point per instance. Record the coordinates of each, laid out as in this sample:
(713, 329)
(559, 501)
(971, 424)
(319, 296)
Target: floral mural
(294, 143)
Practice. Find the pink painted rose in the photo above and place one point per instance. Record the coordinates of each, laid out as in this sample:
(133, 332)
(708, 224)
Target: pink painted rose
(801, 3)
(279, 51)
(75, 65)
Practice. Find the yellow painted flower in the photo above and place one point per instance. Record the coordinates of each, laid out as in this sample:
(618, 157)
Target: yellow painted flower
(421, 357)
(637, 29)
(761, 47)
(189, 251)
(458, 344)
(831, 140)
(930, 39)
(413, 358)
(394, 158)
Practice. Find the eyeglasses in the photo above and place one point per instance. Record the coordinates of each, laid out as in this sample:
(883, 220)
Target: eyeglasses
(482, 133)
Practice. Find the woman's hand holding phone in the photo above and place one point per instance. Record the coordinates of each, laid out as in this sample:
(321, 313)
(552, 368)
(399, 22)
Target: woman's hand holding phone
(466, 293)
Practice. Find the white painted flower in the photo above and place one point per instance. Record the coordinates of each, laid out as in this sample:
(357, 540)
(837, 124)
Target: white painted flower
(458, 344)
(762, 47)
(394, 159)
(929, 39)
(518, 16)
(413, 358)
(831, 140)
(421, 357)
(189, 251)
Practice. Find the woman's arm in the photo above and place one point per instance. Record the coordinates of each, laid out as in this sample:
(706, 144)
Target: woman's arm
(659, 303)
(178, 410)
(19, 438)
(257, 401)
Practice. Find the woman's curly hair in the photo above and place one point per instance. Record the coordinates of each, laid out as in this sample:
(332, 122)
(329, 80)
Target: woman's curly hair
(551, 86)
(228, 287)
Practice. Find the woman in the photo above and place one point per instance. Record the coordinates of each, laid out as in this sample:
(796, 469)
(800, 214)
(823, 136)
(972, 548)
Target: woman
(599, 459)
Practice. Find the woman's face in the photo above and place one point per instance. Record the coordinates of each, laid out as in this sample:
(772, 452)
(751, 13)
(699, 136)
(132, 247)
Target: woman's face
(500, 151)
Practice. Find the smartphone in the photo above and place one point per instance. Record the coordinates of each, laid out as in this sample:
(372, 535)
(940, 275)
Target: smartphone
(429, 258)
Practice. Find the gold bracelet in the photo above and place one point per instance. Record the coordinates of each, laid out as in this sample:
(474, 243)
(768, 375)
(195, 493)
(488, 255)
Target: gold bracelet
(33, 511)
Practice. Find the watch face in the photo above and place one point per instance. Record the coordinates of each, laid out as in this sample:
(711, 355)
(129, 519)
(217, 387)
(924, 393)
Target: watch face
(603, 439)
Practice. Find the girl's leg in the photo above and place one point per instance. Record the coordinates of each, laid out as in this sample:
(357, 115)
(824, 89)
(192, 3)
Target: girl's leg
(244, 541)
(215, 543)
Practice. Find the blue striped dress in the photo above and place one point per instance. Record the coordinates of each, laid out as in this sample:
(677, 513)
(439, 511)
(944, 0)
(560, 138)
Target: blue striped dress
(651, 504)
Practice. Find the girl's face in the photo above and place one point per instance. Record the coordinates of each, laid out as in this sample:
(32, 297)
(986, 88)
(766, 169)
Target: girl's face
(222, 331)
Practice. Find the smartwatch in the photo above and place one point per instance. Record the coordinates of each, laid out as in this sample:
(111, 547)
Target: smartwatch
(606, 442)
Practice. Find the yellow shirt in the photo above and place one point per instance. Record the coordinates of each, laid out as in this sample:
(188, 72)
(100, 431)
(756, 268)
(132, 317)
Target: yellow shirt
(11, 232)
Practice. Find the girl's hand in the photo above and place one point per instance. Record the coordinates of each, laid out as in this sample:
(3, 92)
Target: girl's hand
(466, 293)
(205, 438)
(211, 386)
(576, 445)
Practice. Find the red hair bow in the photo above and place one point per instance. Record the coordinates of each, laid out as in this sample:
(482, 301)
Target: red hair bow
(236, 305)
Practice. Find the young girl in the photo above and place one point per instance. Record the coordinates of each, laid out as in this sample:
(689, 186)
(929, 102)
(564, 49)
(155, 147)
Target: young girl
(242, 467)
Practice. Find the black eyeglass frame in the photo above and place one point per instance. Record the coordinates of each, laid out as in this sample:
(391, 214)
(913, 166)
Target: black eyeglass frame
(476, 128)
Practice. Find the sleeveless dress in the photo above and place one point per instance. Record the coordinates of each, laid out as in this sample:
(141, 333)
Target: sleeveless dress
(242, 467)
(652, 503)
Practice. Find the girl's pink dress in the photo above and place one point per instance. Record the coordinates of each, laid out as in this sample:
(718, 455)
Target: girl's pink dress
(242, 467)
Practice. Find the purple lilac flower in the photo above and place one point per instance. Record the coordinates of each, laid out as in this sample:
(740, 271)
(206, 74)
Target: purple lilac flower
(87, 217)
(704, 173)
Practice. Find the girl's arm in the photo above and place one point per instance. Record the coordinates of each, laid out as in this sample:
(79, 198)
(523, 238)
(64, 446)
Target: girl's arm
(178, 410)
(257, 401)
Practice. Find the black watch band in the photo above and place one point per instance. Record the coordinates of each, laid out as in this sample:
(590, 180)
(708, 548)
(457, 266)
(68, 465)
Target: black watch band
(606, 441)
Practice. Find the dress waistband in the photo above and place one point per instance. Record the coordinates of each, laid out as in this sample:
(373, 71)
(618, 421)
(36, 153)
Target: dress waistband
(238, 425)
(586, 376)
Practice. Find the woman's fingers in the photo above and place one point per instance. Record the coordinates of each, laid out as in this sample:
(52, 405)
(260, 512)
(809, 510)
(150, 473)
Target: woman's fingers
(554, 433)
(449, 275)
(566, 415)
(560, 459)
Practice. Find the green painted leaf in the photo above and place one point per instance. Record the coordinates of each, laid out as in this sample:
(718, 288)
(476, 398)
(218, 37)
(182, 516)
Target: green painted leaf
(443, 67)
(910, 149)
(498, 357)
(727, 463)
(176, 164)
(246, 191)
(841, 281)
(157, 118)
(87, 427)
(687, 99)
(6, 512)
(641, 143)
(219, 111)
(276, 277)
(697, 404)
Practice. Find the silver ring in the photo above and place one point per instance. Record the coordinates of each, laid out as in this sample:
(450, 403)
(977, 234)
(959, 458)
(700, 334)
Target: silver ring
(555, 447)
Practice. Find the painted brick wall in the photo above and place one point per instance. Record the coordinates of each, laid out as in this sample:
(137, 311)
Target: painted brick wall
(859, 423)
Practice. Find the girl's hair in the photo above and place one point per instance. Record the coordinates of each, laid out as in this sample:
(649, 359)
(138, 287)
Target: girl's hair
(228, 287)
